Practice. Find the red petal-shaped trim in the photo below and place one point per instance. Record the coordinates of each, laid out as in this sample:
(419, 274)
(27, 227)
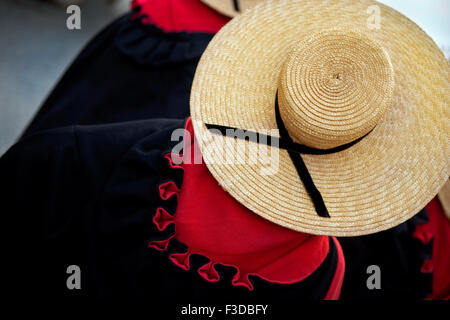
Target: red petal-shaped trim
(241, 280)
(162, 219)
(423, 232)
(181, 259)
(160, 245)
(179, 159)
(168, 189)
(208, 272)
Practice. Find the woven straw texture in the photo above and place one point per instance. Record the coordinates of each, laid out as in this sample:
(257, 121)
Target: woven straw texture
(227, 7)
(393, 81)
(334, 88)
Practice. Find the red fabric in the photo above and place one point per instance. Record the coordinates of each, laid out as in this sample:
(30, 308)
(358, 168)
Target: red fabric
(211, 223)
(439, 226)
(181, 15)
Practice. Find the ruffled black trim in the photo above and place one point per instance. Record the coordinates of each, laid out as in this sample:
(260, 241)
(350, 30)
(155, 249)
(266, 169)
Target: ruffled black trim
(147, 44)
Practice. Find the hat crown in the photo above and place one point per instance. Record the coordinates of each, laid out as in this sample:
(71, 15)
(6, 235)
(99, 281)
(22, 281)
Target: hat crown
(334, 88)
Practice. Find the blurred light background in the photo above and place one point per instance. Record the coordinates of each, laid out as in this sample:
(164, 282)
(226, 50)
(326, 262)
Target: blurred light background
(433, 16)
(36, 47)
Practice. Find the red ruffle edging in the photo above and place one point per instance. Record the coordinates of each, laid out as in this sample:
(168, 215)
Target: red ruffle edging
(162, 219)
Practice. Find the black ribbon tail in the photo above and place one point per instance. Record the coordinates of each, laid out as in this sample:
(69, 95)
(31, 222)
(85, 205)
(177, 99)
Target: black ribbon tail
(309, 185)
(301, 168)
(236, 5)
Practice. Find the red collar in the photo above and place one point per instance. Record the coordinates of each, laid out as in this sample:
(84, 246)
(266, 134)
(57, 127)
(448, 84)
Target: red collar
(181, 15)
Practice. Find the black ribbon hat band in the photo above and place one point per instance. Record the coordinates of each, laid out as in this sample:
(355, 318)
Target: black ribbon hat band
(294, 150)
(236, 5)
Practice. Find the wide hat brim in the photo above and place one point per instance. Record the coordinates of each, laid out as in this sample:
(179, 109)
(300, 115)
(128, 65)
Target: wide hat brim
(376, 184)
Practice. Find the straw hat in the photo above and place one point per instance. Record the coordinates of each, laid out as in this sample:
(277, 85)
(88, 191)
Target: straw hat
(231, 8)
(444, 198)
(367, 108)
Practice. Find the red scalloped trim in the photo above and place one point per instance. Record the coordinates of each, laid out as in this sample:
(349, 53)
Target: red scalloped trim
(242, 280)
(162, 219)
(181, 259)
(424, 232)
(208, 272)
(168, 190)
(160, 245)
(178, 159)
